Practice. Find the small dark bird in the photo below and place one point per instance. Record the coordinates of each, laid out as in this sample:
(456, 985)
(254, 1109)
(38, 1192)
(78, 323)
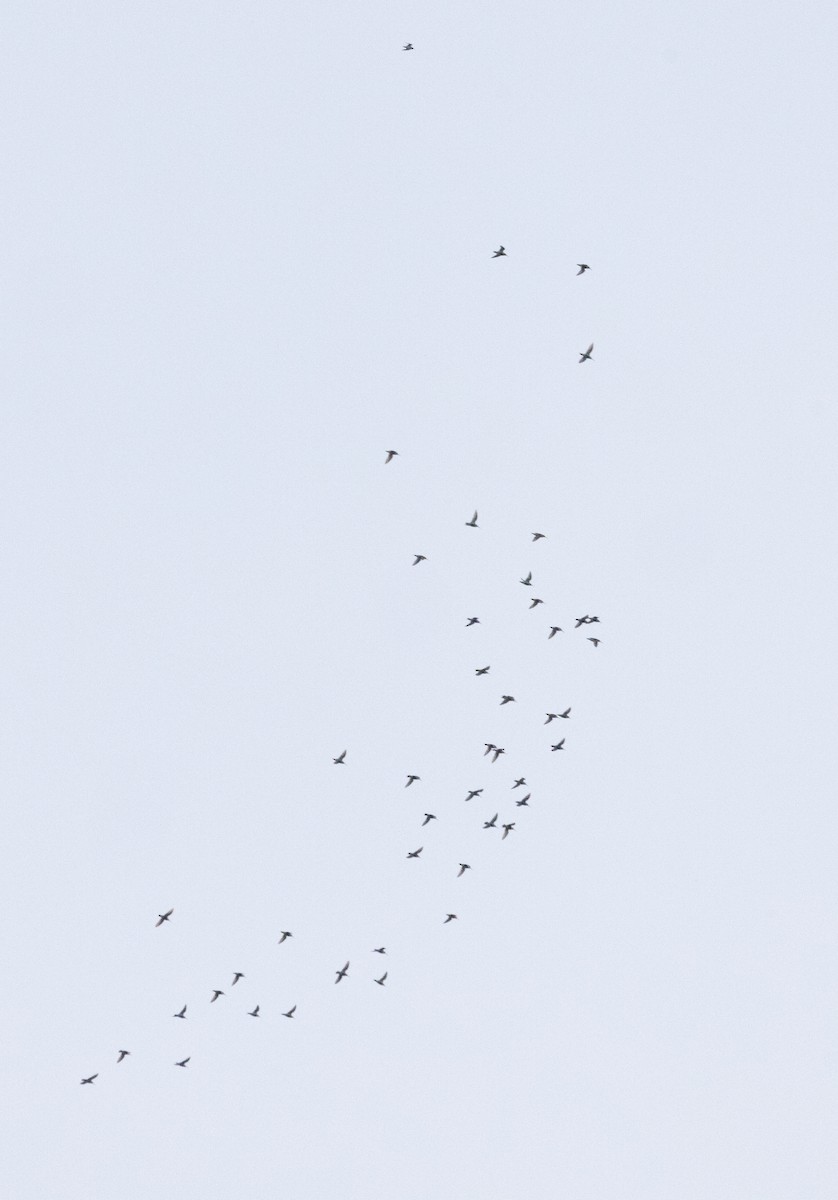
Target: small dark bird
(215, 996)
(558, 745)
(381, 980)
(473, 522)
(534, 603)
(123, 1054)
(391, 454)
(554, 629)
(551, 717)
(528, 581)
(412, 779)
(90, 1078)
(491, 824)
(409, 46)
(415, 853)
(417, 558)
(587, 354)
(583, 267)
(481, 670)
(595, 641)
(255, 1012)
(507, 700)
(183, 1062)
(566, 714)
(341, 974)
(507, 829)
(472, 621)
(519, 783)
(429, 817)
(286, 933)
(463, 868)
(536, 536)
(525, 803)
(380, 950)
(237, 975)
(501, 253)
(450, 917)
(182, 1013)
(497, 752)
(163, 917)
(293, 1009)
(490, 746)
(341, 758)
(477, 791)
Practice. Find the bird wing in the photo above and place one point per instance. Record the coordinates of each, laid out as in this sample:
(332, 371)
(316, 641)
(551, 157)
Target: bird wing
(590, 348)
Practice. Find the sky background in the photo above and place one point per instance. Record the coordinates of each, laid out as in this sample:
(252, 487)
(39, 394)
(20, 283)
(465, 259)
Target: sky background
(247, 249)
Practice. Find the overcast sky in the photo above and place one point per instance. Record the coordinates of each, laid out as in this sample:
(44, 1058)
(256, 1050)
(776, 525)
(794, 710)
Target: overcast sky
(247, 249)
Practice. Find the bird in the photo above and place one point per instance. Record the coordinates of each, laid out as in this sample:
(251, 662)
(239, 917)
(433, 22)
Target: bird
(415, 853)
(255, 1012)
(558, 745)
(391, 454)
(412, 779)
(583, 267)
(554, 629)
(237, 975)
(163, 917)
(183, 1062)
(527, 582)
(551, 717)
(535, 602)
(490, 746)
(291, 1011)
(381, 980)
(519, 783)
(473, 522)
(525, 802)
(507, 700)
(587, 354)
(409, 46)
(342, 972)
(417, 558)
(536, 536)
(216, 993)
(90, 1078)
(380, 950)
(463, 868)
(429, 817)
(491, 824)
(565, 715)
(286, 933)
(475, 792)
(481, 670)
(123, 1054)
(498, 751)
(182, 1013)
(507, 829)
(501, 253)
(472, 621)
(595, 642)
(449, 917)
(340, 760)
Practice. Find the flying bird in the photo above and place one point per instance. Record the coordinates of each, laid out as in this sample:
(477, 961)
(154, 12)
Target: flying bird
(286, 933)
(255, 1012)
(182, 1013)
(554, 629)
(183, 1062)
(341, 758)
(237, 975)
(519, 783)
(381, 980)
(507, 700)
(528, 581)
(341, 974)
(163, 917)
(429, 817)
(472, 621)
(558, 745)
(415, 853)
(293, 1009)
(491, 824)
(90, 1078)
(409, 46)
(536, 536)
(507, 829)
(587, 354)
(463, 868)
(525, 802)
(391, 454)
(380, 950)
(473, 522)
(498, 751)
(535, 602)
(583, 267)
(412, 779)
(477, 791)
(481, 670)
(123, 1054)
(501, 253)
(215, 996)
(450, 917)
(565, 715)
(595, 642)
(551, 717)
(417, 558)
(490, 746)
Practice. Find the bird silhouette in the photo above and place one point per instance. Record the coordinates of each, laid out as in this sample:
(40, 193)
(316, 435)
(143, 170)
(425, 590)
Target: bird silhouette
(415, 853)
(507, 700)
(123, 1054)
(412, 779)
(429, 817)
(501, 253)
(409, 46)
(558, 745)
(90, 1078)
(527, 581)
(519, 783)
(473, 522)
(477, 791)
(595, 642)
(535, 602)
(216, 993)
(340, 760)
(463, 868)
(391, 454)
(524, 802)
(481, 670)
(342, 973)
(237, 975)
(497, 752)
(507, 829)
(163, 917)
(182, 1013)
(417, 558)
(583, 267)
(491, 824)
(380, 950)
(286, 933)
(381, 980)
(183, 1062)
(450, 917)
(490, 746)
(255, 1012)
(587, 354)
(293, 1009)
(554, 629)
(472, 621)
(537, 536)
(551, 717)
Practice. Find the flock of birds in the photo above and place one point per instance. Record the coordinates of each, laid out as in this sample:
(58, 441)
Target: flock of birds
(491, 750)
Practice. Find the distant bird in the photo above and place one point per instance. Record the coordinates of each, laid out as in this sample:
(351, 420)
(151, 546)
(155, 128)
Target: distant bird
(491, 824)
(490, 746)
(381, 980)
(342, 973)
(536, 536)
(286, 933)
(293, 1009)
(507, 700)
(535, 602)
(429, 817)
(183, 1062)
(551, 717)
(554, 629)
(507, 829)
(463, 868)
(450, 917)
(409, 46)
(528, 581)
(163, 917)
(255, 1012)
(391, 454)
(412, 779)
(519, 783)
(123, 1054)
(380, 950)
(558, 745)
(525, 802)
(182, 1013)
(497, 752)
(501, 253)
(582, 621)
(90, 1078)
(477, 791)
(237, 975)
(587, 354)
(565, 715)
(341, 758)
(595, 641)
(418, 558)
(415, 853)
(583, 267)
(215, 996)
(472, 621)
(473, 522)
(481, 670)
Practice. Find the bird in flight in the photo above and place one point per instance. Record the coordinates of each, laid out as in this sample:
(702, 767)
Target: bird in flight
(536, 536)
(293, 1009)
(501, 253)
(380, 950)
(595, 642)
(412, 779)
(583, 267)
(473, 522)
(415, 853)
(566, 714)
(123, 1054)
(409, 46)
(286, 933)
(490, 746)
(255, 1012)
(90, 1078)
(463, 868)
(558, 745)
(582, 621)
(551, 717)
(554, 629)
(472, 621)
(450, 917)
(182, 1013)
(519, 783)
(535, 602)
(507, 829)
(507, 700)
(429, 817)
(481, 670)
(381, 980)
(341, 974)
(391, 454)
(525, 802)
(587, 354)
(417, 558)
(498, 751)
(163, 917)
(237, 975)
(183, 1062)
(476, 791)
(215, 995)
(491, 824)
(528, 581)
(340, 760)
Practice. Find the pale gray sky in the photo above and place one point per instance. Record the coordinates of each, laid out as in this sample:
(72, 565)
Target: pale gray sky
(247, 250)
